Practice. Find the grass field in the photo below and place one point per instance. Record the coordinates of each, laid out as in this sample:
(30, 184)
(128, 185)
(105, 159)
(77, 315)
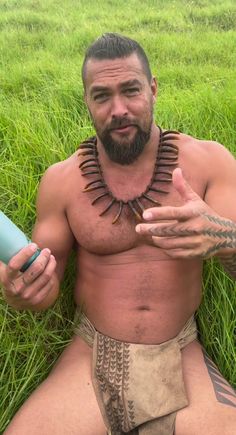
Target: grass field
(191, 46)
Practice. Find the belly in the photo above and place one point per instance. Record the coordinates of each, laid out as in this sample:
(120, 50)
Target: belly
(140, 295)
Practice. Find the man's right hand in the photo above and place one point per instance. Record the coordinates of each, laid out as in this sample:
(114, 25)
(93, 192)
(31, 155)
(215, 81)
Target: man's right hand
(29, 289)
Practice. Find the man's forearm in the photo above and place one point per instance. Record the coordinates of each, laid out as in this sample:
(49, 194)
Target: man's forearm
(226, 241)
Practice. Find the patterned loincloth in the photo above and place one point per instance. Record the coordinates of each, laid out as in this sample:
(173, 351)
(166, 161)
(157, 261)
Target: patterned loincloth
(139, 387)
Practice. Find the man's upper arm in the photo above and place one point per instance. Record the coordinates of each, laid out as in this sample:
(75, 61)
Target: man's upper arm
(221, 190)
(51, 228)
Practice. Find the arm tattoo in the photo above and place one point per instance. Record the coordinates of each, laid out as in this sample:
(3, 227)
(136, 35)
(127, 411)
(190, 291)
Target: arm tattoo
(225, 238)
(225, 394)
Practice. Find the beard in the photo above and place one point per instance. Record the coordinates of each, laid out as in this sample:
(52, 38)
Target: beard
(120, 152)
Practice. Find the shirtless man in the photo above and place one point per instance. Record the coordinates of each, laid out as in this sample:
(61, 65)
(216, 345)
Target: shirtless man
(138, 283)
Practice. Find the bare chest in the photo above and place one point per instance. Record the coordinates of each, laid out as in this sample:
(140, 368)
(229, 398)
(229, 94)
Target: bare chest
(96, 231)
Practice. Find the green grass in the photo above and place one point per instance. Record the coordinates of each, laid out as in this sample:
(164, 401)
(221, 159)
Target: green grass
(191, 46)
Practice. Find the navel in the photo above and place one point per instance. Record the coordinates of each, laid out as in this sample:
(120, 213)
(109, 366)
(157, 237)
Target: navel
(143, 308)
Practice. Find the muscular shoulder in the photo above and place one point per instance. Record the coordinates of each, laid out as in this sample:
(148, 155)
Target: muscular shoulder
(204, 155)
(57, 182)
(61, 169)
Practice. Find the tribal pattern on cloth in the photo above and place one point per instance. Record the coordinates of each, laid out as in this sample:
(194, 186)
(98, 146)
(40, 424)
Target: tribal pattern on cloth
(139, 387)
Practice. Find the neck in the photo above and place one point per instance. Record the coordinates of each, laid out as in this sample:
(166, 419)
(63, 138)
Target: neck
(147, 155)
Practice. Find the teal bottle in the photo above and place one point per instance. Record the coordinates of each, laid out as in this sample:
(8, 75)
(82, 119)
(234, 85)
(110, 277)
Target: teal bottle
(12, 240)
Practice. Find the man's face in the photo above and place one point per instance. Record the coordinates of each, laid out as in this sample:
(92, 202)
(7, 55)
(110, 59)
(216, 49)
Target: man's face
(120, 101)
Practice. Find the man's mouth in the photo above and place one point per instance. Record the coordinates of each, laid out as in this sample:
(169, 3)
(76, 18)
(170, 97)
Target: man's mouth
(123, 128)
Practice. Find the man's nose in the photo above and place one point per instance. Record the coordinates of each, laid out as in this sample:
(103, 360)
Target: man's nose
(119, 107)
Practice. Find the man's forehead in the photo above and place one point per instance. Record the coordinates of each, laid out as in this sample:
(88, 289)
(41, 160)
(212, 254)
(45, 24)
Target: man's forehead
(125, 68)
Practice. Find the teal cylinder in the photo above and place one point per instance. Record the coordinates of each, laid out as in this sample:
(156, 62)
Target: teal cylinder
(12, 240)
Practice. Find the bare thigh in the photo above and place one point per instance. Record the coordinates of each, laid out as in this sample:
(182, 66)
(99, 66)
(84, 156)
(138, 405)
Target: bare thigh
(212, 401)
(65, 403)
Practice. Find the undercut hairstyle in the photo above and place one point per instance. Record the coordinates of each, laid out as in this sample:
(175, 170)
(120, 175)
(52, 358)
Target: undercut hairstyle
(113, 46)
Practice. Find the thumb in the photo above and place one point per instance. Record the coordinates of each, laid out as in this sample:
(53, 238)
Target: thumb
(183, 188)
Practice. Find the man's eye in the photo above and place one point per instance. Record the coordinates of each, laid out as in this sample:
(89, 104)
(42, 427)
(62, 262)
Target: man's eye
(132, 91)
(100, 97)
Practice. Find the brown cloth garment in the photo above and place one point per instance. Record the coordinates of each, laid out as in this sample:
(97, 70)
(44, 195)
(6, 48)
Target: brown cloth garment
(139, 387)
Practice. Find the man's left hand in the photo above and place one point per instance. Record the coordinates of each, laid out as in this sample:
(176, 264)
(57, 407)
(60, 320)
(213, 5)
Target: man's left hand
(190, 230)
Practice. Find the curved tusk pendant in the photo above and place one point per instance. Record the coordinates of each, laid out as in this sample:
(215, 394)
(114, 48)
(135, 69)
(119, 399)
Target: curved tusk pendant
(86, 161)
(154, 201)
(99, 197)
(164, 133)
(158, 190)
(89, 173)
(117, 216)
(107, 208)
(84, 146)
(140, 205)
(135, 212)
(92, 188)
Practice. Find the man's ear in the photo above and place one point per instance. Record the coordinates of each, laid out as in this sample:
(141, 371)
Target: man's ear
(154, 88)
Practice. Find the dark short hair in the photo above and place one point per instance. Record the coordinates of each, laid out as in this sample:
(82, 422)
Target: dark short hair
(113, 46)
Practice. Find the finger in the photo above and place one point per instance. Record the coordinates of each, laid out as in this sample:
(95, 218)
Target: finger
(37, 267)
(16, 262)
(12, 290)
(19, 284)
(177, 242)
(183, 187)
(167, 230)
(39, 284)
(181, 254)
(147, 229)
(37, 297)
(169, 213)
(46, 276)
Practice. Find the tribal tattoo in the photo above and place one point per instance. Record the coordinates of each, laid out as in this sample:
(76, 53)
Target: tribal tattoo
(226, 236)
(225, 394)
(222, 231)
